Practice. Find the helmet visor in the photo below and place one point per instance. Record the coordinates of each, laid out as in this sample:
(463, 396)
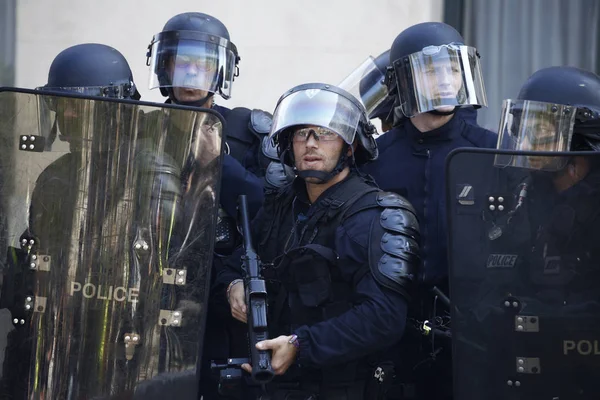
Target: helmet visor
(535, 126)
(122, 91)
(439, 78)
(192, 63)
(317, 107)
(366, 83)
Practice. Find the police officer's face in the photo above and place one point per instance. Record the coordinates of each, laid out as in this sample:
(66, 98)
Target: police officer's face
(183, 94)
(440, 79)
(68, 112)
(314, 154)
(540, 136)
(188, 72)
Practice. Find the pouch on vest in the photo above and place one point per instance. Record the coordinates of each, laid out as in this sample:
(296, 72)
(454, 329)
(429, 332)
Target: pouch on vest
(310, 277)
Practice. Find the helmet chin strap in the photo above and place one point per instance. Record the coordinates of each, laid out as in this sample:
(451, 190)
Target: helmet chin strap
(323, 176)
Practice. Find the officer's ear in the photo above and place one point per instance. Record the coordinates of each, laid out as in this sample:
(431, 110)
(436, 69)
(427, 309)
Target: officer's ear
(352, 149)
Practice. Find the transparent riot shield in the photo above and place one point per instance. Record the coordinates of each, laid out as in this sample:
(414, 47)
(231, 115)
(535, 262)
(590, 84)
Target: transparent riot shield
(524, 275)
(107, 218)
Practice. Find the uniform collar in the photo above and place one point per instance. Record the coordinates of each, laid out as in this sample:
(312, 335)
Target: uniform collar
(299, 187)
(445, 132)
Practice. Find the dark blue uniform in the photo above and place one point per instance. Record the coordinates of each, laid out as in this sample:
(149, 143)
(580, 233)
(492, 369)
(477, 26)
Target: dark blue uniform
(330, 293)
(469, 114)
(412, 164)
(241, 175)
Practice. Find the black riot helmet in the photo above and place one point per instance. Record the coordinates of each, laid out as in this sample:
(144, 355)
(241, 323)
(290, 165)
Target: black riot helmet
(92, 69)
(328, 107)
(557, 109)
(193, 51)
(432, 70)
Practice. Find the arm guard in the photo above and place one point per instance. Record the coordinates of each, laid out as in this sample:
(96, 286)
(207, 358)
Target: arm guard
(394, 257)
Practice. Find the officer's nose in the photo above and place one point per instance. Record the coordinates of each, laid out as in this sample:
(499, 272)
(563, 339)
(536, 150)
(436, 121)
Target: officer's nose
(312, 142)
(192, 69)
(444, 77)
(69, 112)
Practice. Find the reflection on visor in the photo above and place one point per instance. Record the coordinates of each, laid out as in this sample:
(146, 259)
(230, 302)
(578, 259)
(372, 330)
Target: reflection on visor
(535, 126)
(317, 107)
(195, 68)
(319, 133)
(204, 64)
(112, 91)
(431, 50)
(60, 104)
(366, 84)
(193, 64)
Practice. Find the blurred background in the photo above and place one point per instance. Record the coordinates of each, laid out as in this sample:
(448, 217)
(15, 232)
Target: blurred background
(285, 43)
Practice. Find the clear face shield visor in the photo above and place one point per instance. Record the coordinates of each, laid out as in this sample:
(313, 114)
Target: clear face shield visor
(116, 91)
(317, 108)
(367, 84)
(439, 78)
(535, 126)
(192, 60)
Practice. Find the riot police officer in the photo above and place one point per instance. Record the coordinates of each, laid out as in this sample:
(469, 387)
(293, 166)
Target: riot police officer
(557, 110)
(525, 285)
(89, 69)
(90, 191)
(191, 61)
(92, 69)
(432, 74)
(371, 88)
(345, 254)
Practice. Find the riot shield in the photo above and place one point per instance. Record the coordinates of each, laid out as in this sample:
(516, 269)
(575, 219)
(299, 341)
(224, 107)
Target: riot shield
(524, 260)
(107, 219)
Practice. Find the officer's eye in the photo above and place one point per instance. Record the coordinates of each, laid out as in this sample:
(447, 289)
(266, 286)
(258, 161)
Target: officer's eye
(326, 133)
(183, 60)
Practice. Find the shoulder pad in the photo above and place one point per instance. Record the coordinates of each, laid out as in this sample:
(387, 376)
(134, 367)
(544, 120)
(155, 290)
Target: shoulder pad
(268, 149)
(400, 246)
(394, 255)
(400, 221)
(261, 121)
(278, 175)
(399, 216)
(394, 200)
(239, 126)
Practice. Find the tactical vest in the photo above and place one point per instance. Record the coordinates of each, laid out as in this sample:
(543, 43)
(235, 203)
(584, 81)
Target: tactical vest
(312, 287)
